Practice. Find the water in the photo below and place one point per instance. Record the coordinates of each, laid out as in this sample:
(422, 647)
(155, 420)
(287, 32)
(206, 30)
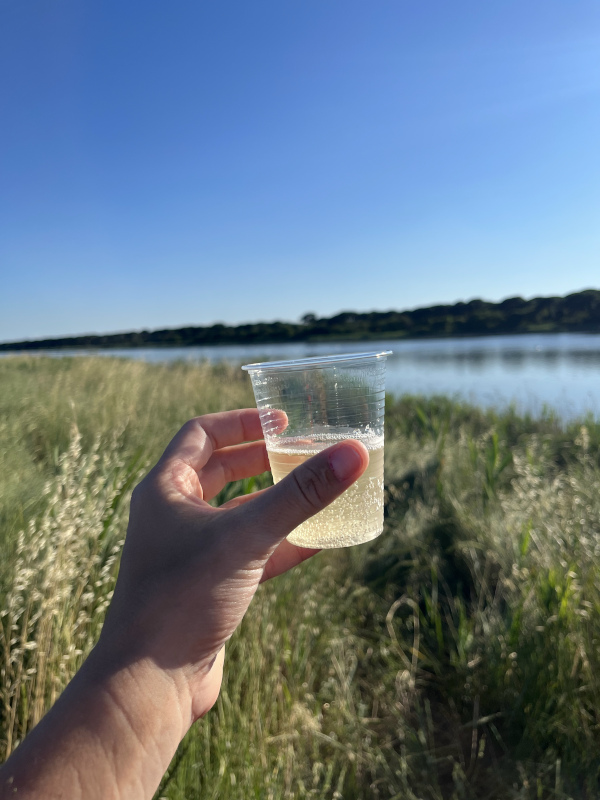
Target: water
(354, 517)
(534, 371)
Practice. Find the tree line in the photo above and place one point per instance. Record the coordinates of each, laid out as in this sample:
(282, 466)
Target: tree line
(578, 312)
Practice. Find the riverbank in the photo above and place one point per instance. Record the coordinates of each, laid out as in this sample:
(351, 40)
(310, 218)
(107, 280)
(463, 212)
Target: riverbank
(457, 655)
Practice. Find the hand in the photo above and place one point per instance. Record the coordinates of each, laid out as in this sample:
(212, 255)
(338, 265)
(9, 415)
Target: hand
(189, 571)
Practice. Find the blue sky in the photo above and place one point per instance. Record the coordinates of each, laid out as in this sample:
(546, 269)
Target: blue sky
(193, 162)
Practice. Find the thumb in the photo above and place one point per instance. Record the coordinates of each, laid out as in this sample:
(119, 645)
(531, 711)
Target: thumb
(308, 489)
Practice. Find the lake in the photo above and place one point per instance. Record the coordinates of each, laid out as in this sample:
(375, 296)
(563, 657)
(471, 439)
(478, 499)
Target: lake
(531, 371)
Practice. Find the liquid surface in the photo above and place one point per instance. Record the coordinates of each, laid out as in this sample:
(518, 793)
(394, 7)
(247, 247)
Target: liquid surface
(356, 516)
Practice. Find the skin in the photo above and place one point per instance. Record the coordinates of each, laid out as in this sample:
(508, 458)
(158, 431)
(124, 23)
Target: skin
(188, 574)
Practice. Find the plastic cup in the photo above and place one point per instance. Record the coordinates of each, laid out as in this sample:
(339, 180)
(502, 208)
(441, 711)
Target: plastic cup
(326, 400)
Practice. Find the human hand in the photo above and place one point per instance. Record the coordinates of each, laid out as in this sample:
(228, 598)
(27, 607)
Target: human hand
(189, 571)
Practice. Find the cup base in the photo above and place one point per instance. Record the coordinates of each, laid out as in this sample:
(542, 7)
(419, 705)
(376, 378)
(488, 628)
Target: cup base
(328, 544)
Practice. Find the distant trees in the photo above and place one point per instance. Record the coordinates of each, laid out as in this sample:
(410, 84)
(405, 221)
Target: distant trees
(578, 312)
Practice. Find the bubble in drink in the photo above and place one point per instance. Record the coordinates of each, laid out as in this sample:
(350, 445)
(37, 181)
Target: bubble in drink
(355, 516)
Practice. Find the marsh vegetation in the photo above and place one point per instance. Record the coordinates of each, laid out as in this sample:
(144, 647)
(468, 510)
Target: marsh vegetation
(457, 656)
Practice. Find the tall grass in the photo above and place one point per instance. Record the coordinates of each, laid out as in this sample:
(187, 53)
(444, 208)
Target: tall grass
(457, 656)
(62, 582)
(141, 405)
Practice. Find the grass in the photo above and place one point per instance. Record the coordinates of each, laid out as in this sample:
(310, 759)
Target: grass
(457, 656)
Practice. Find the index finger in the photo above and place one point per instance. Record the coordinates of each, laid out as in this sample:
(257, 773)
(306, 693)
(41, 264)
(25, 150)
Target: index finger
(200, 437)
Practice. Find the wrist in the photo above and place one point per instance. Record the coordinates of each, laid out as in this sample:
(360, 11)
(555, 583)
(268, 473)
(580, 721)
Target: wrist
(111, 734)
(140, 720)
(161, 648)
(155, 700)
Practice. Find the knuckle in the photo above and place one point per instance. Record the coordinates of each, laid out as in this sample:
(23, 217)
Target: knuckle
(145, 491)
(136, 498)
(192, 424)
(311, 487)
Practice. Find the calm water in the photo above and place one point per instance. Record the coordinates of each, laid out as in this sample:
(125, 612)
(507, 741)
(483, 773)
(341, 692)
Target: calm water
(558, 371)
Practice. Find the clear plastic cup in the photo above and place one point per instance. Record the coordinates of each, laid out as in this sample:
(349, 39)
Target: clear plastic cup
(326, 400)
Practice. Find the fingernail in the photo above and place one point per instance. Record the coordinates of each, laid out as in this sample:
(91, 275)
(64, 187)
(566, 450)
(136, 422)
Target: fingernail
(344, 462)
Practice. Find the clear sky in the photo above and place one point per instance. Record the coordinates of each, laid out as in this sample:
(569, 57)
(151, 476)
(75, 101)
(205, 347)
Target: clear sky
(164, 164)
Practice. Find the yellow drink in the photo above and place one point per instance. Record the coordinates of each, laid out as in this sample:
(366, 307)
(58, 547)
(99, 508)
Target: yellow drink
(354, 517)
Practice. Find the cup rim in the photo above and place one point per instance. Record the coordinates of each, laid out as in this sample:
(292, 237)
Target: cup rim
(315, 361)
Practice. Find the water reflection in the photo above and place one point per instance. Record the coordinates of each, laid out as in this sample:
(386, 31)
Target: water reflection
(532, 372)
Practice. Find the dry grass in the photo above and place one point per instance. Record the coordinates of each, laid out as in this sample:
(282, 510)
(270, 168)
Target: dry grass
(79, 432)
(62, 582)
